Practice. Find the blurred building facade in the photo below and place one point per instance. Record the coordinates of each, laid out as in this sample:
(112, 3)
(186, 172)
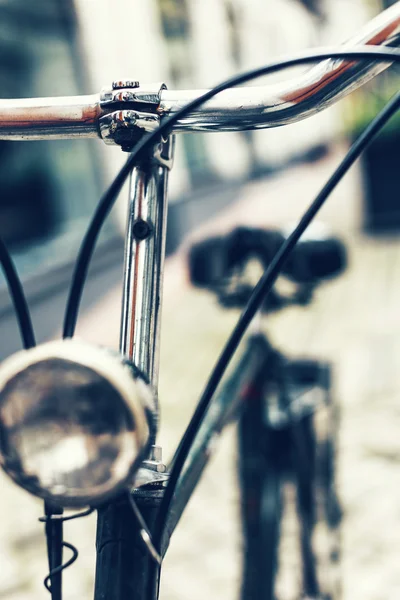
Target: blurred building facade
(47, 188)
(196, 44)
(52, 48)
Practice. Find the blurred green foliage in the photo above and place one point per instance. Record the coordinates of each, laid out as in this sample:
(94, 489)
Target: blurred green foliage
(364, 104)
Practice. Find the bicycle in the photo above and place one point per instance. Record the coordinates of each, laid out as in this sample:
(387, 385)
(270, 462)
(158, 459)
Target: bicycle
(277, 412)
(111, 444)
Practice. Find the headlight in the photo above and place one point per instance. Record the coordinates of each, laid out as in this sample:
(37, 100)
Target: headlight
(74, 421)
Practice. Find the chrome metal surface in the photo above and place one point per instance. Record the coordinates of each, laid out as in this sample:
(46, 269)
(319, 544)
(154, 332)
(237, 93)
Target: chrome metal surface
(152, 471)
(145, 477)
(125, 83)
(128, 91)
(40, 118)
(133, 112)
(164, 153)
(73, 422)
(156, 454)
(124, 127)
(154, 462)
(292, 100)
(144, 262)
(233, 110)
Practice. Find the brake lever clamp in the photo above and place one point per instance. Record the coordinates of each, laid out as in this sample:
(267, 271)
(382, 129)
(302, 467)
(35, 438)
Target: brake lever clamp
(129, 110)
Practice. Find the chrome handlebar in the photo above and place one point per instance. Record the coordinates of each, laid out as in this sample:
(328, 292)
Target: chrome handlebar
(99, 115)
(290, 101)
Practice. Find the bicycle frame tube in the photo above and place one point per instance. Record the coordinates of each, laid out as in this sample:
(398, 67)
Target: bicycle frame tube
(233, 110)
(224, 409)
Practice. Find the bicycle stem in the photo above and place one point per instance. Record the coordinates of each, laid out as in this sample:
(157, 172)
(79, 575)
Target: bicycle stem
(144, 261)
(232, 110)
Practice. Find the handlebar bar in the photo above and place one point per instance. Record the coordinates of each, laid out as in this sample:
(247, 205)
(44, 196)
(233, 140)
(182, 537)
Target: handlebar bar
(290, 101)
(232, 110)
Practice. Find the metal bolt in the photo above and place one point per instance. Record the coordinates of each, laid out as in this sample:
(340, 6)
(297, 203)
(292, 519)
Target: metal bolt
(156, 453)
(142, 229)
(127, 83)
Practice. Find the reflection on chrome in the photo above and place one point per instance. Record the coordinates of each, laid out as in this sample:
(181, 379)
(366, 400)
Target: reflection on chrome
(232, 110)
(295, 98)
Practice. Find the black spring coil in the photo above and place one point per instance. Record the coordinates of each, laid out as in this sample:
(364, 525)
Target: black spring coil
(61, 518)
(56, 570)
(146, 536)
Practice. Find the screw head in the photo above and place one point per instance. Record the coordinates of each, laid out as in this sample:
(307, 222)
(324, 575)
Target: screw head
(141, 229)
(124, 83)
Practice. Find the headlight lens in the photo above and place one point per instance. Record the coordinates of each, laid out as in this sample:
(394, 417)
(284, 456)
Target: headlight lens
(74, 422)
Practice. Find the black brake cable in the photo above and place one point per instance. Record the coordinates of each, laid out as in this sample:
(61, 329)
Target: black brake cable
(148, 141)
(258, 296)
(53, 530)
(18, 298)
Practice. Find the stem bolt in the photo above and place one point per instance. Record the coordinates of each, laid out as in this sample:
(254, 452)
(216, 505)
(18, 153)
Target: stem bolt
(142, 229)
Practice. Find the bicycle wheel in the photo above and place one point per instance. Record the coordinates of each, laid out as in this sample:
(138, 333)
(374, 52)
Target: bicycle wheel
(328, 525)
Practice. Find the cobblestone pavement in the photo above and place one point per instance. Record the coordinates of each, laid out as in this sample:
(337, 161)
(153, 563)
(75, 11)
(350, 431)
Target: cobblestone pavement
(354, 322)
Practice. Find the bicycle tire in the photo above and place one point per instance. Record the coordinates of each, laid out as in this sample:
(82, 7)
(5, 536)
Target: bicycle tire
(271, 456)
(260, 475)
(317, 504)
(329, 509)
